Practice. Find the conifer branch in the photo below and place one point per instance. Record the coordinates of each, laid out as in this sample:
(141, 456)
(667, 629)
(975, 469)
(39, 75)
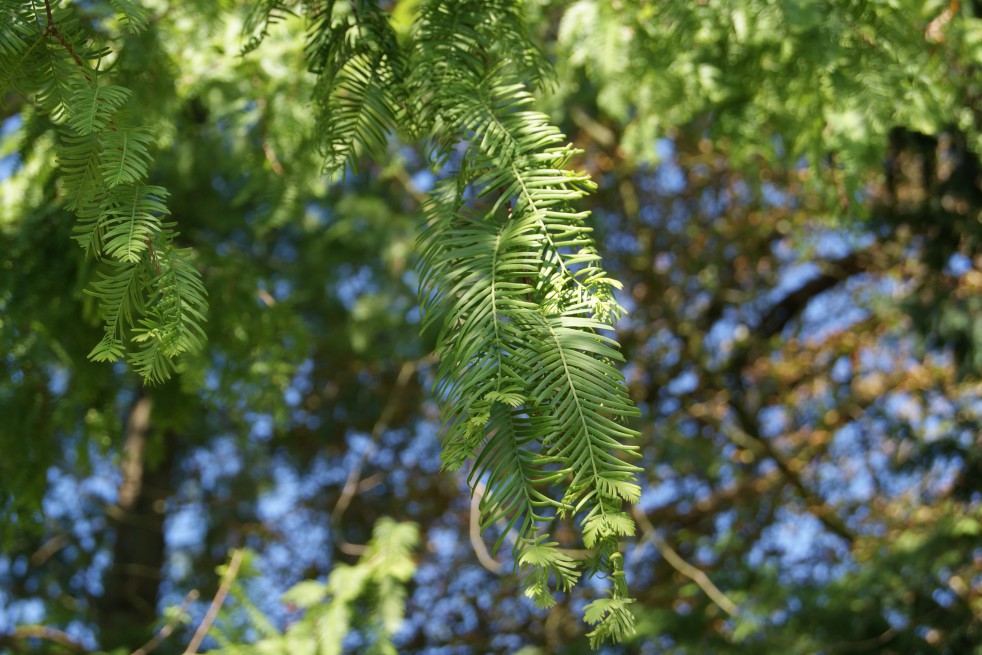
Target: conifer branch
(51, 29)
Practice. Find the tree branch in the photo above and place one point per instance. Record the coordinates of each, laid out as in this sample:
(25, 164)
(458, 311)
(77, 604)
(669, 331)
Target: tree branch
(480, 549)
(216, 604)
(52, 30)
(166, 631)
(679, 564)
(53, 635)
(353, 483)
(816, 505)
(835, 271)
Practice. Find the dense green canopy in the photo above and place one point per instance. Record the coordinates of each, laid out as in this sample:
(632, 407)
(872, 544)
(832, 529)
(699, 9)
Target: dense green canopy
(667, 314)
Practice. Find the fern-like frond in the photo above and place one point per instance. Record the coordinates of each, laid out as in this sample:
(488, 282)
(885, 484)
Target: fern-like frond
(33, 62)
(353, 50)
(120, 293)
(613, 620)
(457, 44)
(21, 46)
(80, 160)
(541, 559)
(58, 75)
(263, 15)
(584, 393)
(165, 324)
(357, 110)
(486, 305)
(74, 37)
(485, 275)
(133, 16)
(132, 215)
(125, 157)
(93, 105)
(390, 551)
(368, 595)
(175, 313)
(149, 292)
(516, 476)
(12, 30)
(510, 271)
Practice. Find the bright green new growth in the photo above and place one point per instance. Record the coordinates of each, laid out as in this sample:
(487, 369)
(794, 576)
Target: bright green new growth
(369, 596)
(509, 272)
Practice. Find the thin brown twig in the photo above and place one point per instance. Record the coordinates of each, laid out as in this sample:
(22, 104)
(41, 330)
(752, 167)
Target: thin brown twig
(273, 160)
(153, 255)
(867, 645)
(166, 631)
(676, 562)
(511, 536)
(216, 603)
(49, 548)
(54, 635)
(52, 30)
(353, 483)
(268, 151)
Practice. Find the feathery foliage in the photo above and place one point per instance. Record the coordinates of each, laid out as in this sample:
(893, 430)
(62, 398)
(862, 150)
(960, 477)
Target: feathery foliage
(353, 51)
(152, 296)
(509, 272)
(508, 269)
(806, 355)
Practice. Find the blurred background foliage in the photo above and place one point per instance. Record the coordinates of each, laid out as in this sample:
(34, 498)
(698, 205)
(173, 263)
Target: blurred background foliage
(792, 196)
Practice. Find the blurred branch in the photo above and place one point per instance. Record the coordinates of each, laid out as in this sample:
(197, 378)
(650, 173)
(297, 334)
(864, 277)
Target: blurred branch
(49, 548)
(274, 162)
(401, 175)
(725, 497)
(747, 432)
(268, 151)
(480, 549)
(53, 635)
(834, 272)
(352, 485)
(216, 604)
(750, 437)
(597, 131)
(168, 628)
(676, 562)
(867, 645)
(936, 28)
(137, 431)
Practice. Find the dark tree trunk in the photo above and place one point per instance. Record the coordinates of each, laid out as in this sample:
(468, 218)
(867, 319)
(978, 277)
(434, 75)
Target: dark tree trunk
(129, 606)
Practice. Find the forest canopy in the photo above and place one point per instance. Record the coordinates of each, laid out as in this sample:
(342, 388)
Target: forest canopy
(490, 326)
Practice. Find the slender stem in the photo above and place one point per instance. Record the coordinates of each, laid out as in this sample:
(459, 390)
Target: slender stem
(49, 634)
(169, 628)
(52, 30)
(216, 603)
(480, 549)
(153, 256)
(353, 485)
(683, 567)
